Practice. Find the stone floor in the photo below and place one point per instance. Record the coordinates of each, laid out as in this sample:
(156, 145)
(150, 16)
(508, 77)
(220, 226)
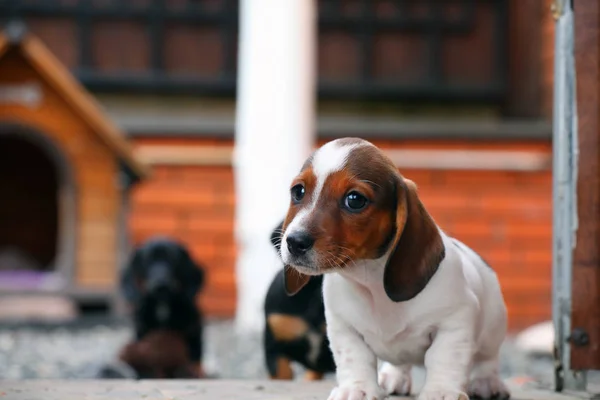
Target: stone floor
(198, 390)
(79, 350)
(30, 355)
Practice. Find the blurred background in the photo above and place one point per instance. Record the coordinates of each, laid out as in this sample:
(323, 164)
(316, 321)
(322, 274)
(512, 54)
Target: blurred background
(458, 91)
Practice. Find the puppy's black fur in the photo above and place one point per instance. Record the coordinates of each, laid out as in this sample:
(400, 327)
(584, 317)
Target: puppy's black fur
(295, 326)
(161, 282)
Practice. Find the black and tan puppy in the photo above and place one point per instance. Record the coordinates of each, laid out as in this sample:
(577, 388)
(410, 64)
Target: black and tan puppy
(295, 327)
(161, 282)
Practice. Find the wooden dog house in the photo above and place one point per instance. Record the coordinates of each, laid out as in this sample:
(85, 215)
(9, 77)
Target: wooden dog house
(65, 174)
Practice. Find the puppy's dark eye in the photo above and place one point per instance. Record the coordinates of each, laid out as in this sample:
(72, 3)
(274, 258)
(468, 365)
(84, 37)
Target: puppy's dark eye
(355, 201)
(298, 193)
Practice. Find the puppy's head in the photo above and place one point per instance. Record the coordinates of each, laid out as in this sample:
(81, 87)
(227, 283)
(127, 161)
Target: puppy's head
(350, 203)
(161, 264)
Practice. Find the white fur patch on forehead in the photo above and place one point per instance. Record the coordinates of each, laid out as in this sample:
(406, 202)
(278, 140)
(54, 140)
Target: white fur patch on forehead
(332, 157)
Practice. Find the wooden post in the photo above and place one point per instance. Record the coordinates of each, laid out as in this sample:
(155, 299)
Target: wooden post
(585, 319)
(274, 135)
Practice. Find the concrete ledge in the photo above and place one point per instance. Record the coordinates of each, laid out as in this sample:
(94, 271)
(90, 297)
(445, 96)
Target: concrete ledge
(196, 390)
(334, 127)
(196, 117)
(37, 307)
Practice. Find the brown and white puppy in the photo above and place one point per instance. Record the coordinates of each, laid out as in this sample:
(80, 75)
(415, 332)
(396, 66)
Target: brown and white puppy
(396, 287)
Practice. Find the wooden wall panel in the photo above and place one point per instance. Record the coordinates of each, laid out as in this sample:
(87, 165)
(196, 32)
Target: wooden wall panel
(585, 301)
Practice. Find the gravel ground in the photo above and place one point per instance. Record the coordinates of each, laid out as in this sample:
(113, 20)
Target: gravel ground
(79, 351)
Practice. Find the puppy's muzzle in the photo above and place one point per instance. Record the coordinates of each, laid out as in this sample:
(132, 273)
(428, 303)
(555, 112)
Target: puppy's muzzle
(299, 243)
(159, 278)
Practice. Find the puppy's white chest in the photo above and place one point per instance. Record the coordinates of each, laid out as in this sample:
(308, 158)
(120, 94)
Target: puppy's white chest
(406, 347)
(370, 315)
(394, 339)
(387, 327)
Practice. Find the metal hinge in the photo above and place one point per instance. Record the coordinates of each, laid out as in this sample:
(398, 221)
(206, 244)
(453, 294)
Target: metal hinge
(579, 337)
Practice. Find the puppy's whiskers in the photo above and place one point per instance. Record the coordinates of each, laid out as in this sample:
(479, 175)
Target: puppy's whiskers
(344, 257)
(333, 262)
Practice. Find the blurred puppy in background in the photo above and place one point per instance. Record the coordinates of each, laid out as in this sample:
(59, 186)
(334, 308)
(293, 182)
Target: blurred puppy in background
(161, 354)
(161, 282)
(295, 327)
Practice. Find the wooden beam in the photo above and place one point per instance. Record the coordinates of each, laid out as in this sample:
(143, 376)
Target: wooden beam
(185, 155)
(585, 352)
(476, 160)
(471, 160)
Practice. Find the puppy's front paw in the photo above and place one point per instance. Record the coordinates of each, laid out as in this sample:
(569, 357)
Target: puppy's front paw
(428, 394)
(395, 380)
(489, 387)
(357, 391)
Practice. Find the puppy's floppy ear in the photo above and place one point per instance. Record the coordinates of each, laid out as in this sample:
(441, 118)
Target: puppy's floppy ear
(276, 236)
(129, 285)
(194, 273)
(294, 280)
(417, 246)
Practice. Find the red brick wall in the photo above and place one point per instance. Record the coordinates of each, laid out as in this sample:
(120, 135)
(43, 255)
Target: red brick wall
(506, 216)
(195, 205)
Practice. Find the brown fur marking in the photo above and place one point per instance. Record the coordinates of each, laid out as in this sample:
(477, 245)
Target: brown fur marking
(313, 376)
(284, 369)
(162, 354)
(286, 328)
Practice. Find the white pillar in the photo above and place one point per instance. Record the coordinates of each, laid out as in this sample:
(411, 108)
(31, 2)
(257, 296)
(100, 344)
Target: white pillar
(274, 135)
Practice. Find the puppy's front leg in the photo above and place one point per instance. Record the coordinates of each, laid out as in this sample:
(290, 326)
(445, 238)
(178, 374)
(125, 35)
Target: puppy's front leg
(356, 365)
(448, 360)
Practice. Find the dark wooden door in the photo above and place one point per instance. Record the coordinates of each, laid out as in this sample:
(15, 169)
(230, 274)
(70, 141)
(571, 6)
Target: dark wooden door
(585, 319)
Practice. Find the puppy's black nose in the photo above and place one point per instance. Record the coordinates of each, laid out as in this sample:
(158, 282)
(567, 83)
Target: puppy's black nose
(299, 243)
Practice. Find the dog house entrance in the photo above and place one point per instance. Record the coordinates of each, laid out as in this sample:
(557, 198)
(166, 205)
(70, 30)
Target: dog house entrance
(29, 188)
